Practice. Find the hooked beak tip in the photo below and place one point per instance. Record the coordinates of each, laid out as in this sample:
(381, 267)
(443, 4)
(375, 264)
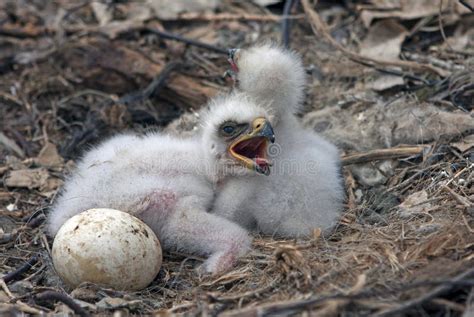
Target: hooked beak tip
(267, 131)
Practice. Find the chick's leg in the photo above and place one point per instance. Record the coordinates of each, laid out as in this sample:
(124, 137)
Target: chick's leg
(191, 229)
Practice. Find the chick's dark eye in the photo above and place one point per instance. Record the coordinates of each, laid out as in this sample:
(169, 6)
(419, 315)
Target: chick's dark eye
(228, 129)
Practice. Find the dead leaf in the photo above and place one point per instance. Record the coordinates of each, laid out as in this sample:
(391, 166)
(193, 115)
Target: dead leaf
(461, 39)
(170, 9)
(27, 178)
(465, 144)
(49, 156)
(102, 11)
(136, 11)
(407, 9)
(12, 162)
(415, 203)
(203, 34)
(384, 41)
(135, 14)
(86, 292)
(115, 303)
(50, 187)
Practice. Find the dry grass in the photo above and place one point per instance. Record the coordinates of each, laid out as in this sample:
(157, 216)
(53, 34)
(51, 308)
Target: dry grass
(403, 247)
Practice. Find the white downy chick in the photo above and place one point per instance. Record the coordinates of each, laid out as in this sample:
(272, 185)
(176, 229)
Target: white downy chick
(304, 190)
(168, 183)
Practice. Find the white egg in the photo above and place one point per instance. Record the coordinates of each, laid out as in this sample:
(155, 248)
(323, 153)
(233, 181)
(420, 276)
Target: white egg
(107, 247)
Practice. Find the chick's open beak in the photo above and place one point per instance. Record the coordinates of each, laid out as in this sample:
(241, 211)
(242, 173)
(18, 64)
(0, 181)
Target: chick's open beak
(250, 149)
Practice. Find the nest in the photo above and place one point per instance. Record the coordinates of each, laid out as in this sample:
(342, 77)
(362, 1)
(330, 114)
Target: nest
(404, 245)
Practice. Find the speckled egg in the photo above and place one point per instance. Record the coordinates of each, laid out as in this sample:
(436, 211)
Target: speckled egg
(107, 247)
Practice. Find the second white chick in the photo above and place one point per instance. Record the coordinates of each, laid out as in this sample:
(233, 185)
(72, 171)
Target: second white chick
(169, 182)
(304, 190)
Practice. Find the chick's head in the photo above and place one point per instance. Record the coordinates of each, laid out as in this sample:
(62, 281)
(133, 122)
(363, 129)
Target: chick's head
(269, 72)
(236, 136)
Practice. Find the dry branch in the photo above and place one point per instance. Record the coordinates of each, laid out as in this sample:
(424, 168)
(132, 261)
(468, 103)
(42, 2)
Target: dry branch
(193, 16)
(321, 29)
(56, 92)
(382, 154)
(63, 298)
(464, 279)
(442, 289)
(22, 269)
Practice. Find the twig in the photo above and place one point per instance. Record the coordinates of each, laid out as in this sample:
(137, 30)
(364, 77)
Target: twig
(457, 197)
(23, 32)
(175, 308)
(401, 74)
(163, 34)
(5, 289)
(286, 24)
(441, 26)
(11, 145)
(463, 277)
(171, 36)
(467, 224)
(381, 154)
(321, 29)
(194, 16)
(289, 307)
(467, 5)
(62, 102)
(239, 296)
(20, 139)
(18, 303)
(455, 176)
(22, 269)
(63, 298)
(469, 311)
